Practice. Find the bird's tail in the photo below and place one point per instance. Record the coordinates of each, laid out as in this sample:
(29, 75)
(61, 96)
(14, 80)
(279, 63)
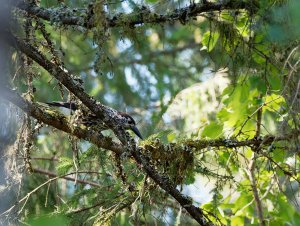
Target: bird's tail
(69, 105)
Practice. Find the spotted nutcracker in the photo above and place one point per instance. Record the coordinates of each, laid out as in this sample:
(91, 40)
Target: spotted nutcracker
(89, 119)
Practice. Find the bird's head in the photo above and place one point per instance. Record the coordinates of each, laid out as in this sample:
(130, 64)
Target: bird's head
(130, 124)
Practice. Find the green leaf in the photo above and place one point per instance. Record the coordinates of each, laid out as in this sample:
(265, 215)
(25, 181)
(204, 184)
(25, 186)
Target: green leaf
(283, 206)
(237, 221)
(210, 39)
(189, 179)
(213, 130)
(274, 102)
(171, 137)
(278, 155)
(57, 220)
(297, 218)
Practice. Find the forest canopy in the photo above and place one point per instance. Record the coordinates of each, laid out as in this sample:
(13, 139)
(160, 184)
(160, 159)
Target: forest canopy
(154, 112)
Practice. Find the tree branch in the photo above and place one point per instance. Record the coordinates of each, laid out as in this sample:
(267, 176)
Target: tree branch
(51, 174)
(59, 121)
(27, 196)
(110, 117)
(140, 16)
(164, 182)
(234, 143)
(251, 171)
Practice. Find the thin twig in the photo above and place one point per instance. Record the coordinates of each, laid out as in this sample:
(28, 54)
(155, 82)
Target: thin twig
(256, 111)
(26, 197)
(51, 174)
(251, 173)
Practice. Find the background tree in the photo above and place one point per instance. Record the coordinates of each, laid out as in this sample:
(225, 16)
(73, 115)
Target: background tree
(213, 85)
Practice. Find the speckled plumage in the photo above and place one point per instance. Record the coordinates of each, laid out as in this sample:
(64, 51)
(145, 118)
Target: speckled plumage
(85, 117)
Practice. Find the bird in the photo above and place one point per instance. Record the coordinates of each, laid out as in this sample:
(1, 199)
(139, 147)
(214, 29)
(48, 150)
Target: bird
(89, 119)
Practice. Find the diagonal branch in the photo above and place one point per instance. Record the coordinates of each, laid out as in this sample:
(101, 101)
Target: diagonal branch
(107, 115)
(59, 121)
(164, 182)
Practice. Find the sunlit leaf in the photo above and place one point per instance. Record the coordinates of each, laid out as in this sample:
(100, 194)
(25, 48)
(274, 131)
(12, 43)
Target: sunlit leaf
(213, 130)
(210, 39)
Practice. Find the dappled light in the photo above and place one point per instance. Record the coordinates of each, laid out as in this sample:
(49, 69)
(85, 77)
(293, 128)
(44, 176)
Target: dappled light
(149, 113)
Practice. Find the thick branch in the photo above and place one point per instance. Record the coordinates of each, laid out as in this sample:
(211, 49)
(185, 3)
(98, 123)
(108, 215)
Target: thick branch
(138, 17)
(164, 182)
(104, 113)
(108, 115)
(62, 124)
(234, 143)
(59, 121)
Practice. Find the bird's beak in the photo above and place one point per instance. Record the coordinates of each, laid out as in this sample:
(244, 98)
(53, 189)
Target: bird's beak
(137, 132)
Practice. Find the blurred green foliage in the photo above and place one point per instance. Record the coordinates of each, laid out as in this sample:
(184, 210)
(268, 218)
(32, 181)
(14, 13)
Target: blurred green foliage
(47, 220)
(206, 79)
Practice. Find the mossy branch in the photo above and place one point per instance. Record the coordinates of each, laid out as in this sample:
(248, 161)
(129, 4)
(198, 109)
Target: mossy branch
(140, 16)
